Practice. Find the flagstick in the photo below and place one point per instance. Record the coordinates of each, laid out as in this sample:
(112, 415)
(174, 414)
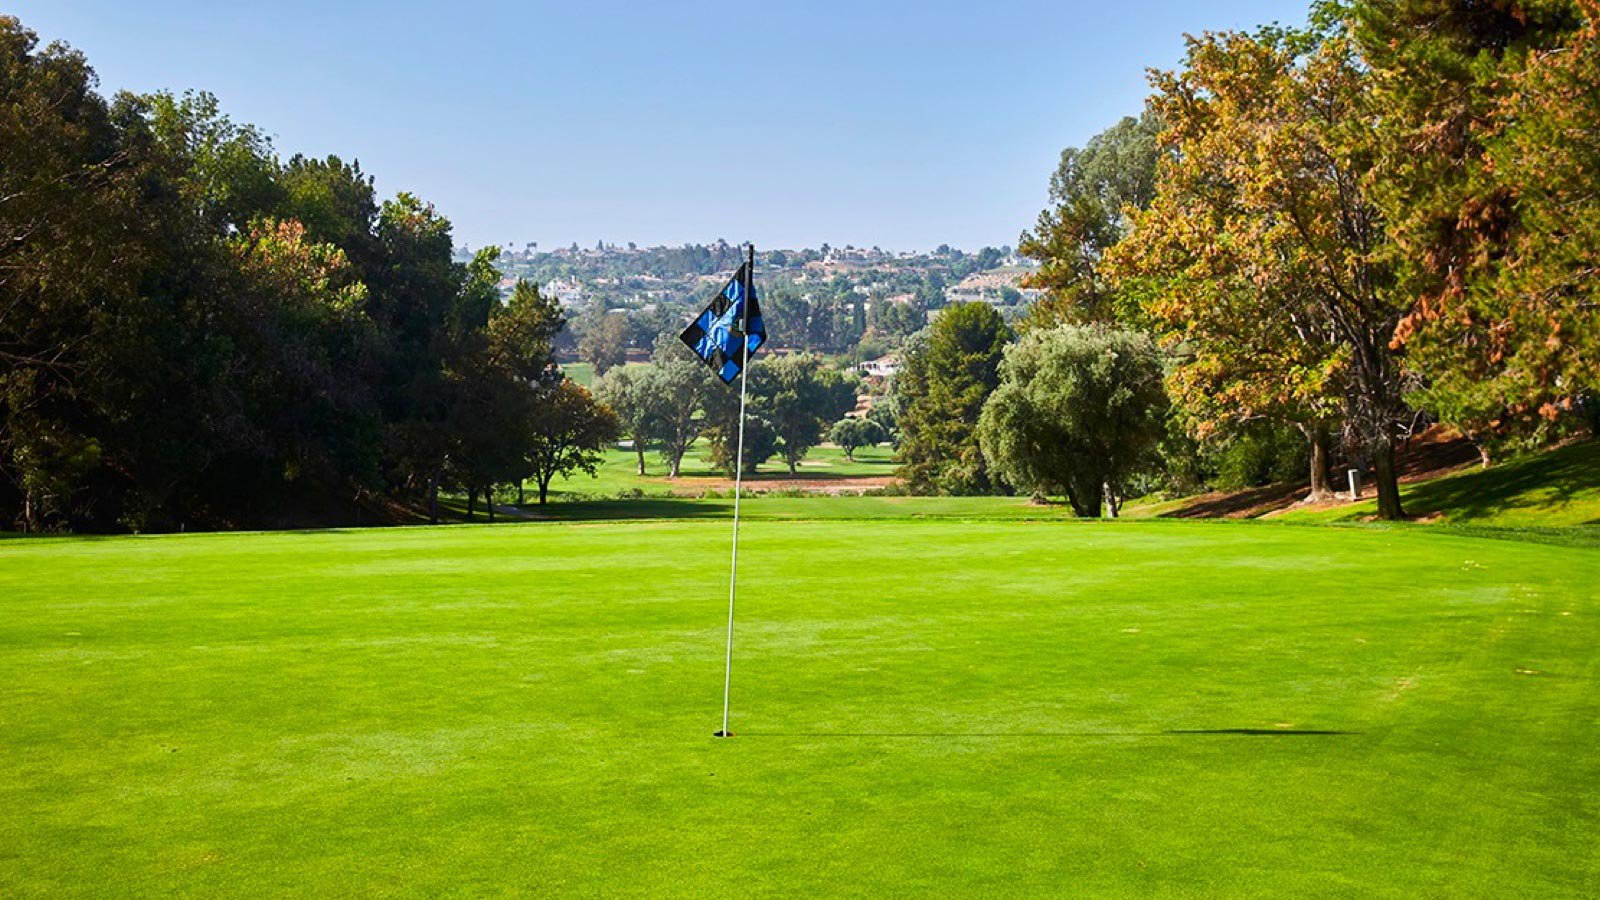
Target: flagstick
(738, 480)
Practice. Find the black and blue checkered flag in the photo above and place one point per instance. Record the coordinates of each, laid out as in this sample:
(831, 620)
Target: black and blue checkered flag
(722, 336)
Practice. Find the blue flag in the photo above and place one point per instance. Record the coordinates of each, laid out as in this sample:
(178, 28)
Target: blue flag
(722, 336)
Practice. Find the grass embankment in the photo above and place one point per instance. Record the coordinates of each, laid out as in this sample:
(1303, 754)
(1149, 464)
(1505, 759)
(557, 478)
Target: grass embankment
(1555, 488)
(941, 707)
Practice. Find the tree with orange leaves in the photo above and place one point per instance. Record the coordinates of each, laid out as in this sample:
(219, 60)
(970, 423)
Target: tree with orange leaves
(1488, 163)
(1261, 254)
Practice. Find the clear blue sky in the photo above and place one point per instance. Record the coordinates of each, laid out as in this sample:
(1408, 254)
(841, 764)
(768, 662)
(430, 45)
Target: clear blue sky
(903, 125)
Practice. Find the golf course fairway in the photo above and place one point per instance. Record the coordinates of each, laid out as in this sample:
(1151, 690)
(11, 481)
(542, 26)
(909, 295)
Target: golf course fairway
(945, 708)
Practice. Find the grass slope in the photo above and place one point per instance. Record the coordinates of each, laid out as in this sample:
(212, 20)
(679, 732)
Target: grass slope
(1556, 488)
(923, 707)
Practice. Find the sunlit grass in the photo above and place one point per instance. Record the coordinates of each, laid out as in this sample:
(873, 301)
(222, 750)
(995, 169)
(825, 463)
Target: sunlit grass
(618, 472)
(1559, 487)
(960, 707)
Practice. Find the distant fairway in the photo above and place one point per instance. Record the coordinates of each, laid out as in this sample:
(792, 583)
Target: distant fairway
(618, 473)
(922, 707)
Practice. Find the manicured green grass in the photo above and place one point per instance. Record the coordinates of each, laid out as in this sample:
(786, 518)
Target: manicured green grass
(619, 472)
(583, 373)
(936, 708)
(1559, 487)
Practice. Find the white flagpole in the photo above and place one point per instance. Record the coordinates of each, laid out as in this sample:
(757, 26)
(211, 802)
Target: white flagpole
(738, 479)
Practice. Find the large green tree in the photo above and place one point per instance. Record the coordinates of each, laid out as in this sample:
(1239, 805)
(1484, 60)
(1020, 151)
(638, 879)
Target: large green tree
(603, 337)
(568, 433)
(1263, 252)
(502, 365)
(68, 225)
(1091, 192)
(337, 204)
(1485, 164)
(493, 420)
(195, 334)
(940, 392)
(415, 299)
(805, 395)
(723, 421)
(1079, 411)
(853, 433)
(681, 389)
(633, 393)
(1546, 293)
(522, 332)
(296, 327)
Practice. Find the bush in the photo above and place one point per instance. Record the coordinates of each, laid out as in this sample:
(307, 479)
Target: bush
(1263, 453)
(1079, 411)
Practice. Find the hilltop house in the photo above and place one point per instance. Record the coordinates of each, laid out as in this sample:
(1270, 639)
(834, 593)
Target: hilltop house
(882, 367)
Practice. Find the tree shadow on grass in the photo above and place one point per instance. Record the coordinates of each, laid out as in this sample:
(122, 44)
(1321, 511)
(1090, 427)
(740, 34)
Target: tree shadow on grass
(1553, 478)
(1275, 732)
(1549, 479)
(1003, 735)
(643, 508)
(1248, 503)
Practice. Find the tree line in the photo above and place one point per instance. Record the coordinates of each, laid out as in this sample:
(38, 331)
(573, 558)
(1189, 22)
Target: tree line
(674, 401)
(1386, 218)
(197, 333)
(827, 317)
(1312, 242)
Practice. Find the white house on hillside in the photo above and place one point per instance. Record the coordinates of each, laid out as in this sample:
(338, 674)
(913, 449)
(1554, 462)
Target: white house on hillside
(882, 367)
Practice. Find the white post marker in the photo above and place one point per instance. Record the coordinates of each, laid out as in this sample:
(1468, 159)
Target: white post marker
(738, 479)
(1355, 486)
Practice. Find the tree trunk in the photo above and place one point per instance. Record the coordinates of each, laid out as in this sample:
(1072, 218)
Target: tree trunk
(1113, 502)
(1387, 481)
(638, 447)
(544, 488)
(488, 500)
(472, 502)
(433, 495)
(1320, 487)
(792, 461)
(519, 491)
(677, 461)
(1087, 503)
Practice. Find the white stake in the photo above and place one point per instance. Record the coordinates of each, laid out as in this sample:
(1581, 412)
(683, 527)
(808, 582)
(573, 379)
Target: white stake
(738, 481)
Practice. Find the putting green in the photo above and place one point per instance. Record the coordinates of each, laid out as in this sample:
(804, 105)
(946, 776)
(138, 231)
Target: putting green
(939, 708)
